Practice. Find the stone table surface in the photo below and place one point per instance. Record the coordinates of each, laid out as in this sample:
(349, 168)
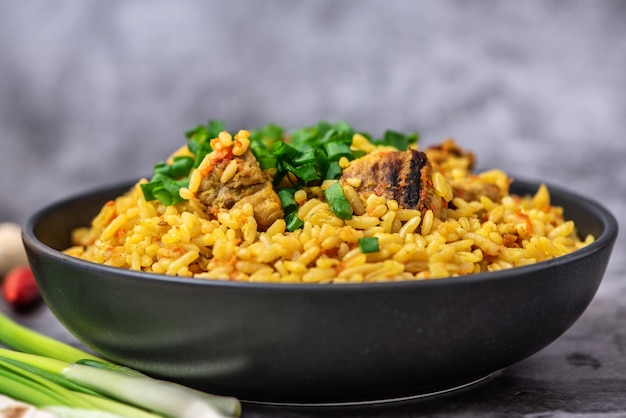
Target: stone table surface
(93, 93)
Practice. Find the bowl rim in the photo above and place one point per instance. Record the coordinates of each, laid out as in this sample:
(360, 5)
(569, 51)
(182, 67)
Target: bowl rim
(605, 239)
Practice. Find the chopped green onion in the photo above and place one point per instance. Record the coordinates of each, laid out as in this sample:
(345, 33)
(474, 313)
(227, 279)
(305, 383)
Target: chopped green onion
(282, 148)
(293, 221)
(164, 189)
(168, 179)
(290, 207)
(336, 150)
(307, 172)
(334, 171)
(369, 245)
(267, 134)
(288, 203)
(306, 156)
(398, 140)
(181, 166)
(338, 202)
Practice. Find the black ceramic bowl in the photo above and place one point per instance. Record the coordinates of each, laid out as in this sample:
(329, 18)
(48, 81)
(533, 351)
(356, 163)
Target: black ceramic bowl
(316, 343)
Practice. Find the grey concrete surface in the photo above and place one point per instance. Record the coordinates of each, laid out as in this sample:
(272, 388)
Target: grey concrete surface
(92, 93)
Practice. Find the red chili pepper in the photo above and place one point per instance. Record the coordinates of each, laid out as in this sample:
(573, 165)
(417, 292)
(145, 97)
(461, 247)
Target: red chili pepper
(20, 288)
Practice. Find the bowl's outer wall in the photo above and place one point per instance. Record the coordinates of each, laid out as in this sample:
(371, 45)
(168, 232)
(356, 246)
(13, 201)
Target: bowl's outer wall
(301, 343)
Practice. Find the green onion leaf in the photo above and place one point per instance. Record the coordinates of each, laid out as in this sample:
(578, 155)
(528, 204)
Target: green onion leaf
(398, 140)
(265, 159)
(307, 155)
(287, 200)
(307, 172)
(293, 221)
(36, 373)
(369, 245)
(338, 202)
(181, 166)
(28, 341)
(267, 135)
(335, 150)
(334, 171)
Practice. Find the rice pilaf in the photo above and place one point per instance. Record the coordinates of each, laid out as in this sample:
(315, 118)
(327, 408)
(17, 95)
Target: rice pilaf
(473, 231)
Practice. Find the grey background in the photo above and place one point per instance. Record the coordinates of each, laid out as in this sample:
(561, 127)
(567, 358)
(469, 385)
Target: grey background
(96, 92)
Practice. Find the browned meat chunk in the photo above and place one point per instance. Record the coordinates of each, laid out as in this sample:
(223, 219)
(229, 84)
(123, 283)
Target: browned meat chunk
(472, 188)
(449, 158)
(223, 187)
(448, 153)
(405, 177)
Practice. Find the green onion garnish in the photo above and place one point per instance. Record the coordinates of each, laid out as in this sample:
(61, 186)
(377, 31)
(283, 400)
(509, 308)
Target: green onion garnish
(338, 202)
(293, 221)
(288, 203)
(369, 245)
(305, 157)
(398, 140)
(168, 179)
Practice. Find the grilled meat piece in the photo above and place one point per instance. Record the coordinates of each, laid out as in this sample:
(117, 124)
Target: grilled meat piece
(449, 155)
(404, 176)
(473, 187)
(248, 184)
(457, 164)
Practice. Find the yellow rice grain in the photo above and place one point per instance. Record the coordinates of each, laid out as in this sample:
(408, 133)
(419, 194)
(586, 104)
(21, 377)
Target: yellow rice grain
(181, 262)
(427, 222)
(441, 186)
(317, 275)
(563, 230)
(363, 222)
(241, 143)
(344, 162)
(410, 226)
(116, 225)
(229, 171)
(407, 214)
(353, 198)
(225, 139)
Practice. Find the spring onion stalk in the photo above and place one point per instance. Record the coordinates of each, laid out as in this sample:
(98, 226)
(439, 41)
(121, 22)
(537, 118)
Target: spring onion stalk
(26, 340)
(50, 378)
(45, 364)
(162, 397)
(49, 373)
(39, 367)
(227, 404)
(25, 382)
(23, 389)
